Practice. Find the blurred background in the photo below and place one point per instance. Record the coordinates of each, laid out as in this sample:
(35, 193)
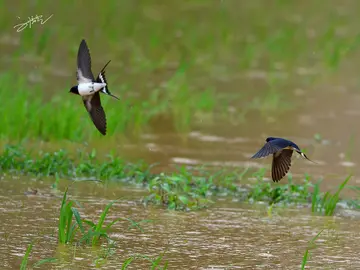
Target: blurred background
(200, 82)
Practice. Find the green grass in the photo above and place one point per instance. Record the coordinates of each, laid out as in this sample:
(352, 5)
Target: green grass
(67, 228)
(183, 189)
(284, 194)
(326, 203)
(25, 259)
(182, 69)
(311, 245)
(64, 117)
(155, 262)
(97, 231)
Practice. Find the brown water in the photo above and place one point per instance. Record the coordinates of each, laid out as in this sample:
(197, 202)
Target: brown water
(229, 235)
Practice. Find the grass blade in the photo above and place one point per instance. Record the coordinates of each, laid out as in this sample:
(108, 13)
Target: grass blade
(306, 254)
(26, 257)
(43, 261)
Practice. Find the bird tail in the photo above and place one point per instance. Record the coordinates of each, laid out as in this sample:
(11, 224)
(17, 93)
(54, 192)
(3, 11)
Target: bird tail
(102, 79)
(304, 156)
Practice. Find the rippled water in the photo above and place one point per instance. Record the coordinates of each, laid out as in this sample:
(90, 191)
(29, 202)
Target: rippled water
(230, 235)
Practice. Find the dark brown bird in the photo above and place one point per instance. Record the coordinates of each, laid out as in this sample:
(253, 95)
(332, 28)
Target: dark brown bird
(282, 151)
(89, 88)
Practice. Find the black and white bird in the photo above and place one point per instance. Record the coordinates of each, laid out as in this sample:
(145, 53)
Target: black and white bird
(89, 88)
(282, 150)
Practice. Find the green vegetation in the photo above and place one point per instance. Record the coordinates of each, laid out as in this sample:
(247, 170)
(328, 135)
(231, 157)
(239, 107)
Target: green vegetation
(64, 117)
(183, 77)
(327, 203)
(25, 259)
(184, 189)
(66, 228)
(67, 231)
(311, 245)
(97, 231)
(155, 262)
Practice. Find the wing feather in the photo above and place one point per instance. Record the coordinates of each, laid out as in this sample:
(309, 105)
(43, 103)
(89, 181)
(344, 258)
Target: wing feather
(96, 112)
(281, 164)
(84, 73)
(266, 150)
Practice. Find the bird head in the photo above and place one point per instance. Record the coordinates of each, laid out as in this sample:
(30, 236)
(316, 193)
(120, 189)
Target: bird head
(74, 90)
(270, 139)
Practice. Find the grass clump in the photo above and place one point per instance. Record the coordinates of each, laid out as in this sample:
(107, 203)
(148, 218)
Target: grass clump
(68, 228)
(178, 192)
(326, 203)
(286, 193)
(97, 231)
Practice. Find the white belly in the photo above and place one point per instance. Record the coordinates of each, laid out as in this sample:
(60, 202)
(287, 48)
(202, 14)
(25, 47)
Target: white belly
(86, 89)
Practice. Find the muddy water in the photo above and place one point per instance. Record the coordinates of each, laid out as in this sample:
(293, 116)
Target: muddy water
(229, 235)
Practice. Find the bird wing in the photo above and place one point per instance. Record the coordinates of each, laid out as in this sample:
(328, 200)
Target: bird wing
(267, 149)
(96, 111)
(84, 73)
(281, 164)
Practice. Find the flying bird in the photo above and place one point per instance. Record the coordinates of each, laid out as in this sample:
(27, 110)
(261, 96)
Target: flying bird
(89, 88)
(282, 150)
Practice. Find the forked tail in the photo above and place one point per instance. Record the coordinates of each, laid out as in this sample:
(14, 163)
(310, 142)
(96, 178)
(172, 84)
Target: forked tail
(102, 79)
(304, 156)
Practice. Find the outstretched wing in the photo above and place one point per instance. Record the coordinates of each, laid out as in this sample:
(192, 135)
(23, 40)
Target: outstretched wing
(281, 164)
(84, 73)
(266, 150)
(96, 111)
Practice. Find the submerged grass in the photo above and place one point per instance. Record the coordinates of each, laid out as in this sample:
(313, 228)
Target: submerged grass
(67, 227)
(97, 231)
(184, 189)
(311, 245)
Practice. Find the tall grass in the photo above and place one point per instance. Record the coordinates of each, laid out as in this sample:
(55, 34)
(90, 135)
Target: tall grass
(28, 114)
(327, 203)
(148, 43)
(67, 228)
